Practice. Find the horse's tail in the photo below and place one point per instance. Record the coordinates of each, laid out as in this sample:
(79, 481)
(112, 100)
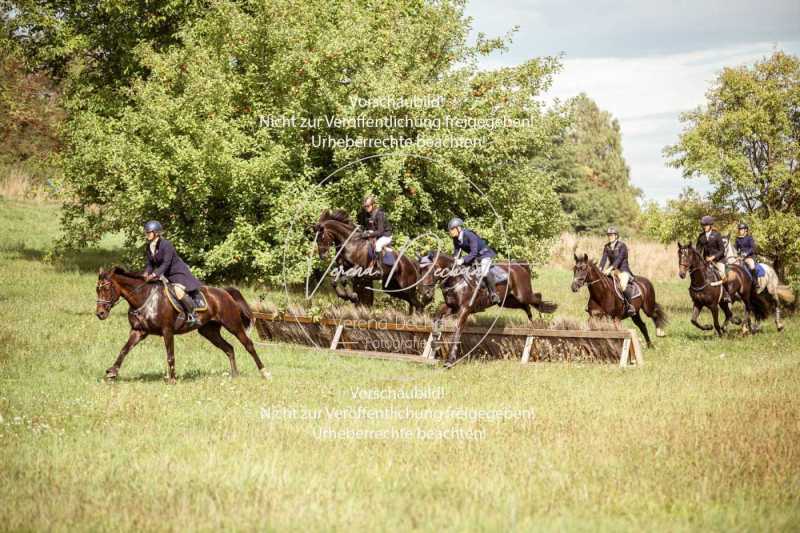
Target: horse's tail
(544, 306)
(759, 305)
(244, 308)
(785, 293)
(659, 316)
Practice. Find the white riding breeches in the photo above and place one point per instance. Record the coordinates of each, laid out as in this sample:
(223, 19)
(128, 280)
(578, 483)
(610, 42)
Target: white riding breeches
(486, 264)
(380, 242)
(624, 278)
(720, 266)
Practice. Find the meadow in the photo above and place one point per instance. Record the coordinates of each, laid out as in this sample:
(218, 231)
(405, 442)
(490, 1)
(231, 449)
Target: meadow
(704, 436)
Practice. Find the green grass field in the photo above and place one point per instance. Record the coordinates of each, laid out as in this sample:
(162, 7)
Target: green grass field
(705, 436)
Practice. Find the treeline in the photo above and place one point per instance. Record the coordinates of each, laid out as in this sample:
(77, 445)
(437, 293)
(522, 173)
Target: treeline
(158, 117)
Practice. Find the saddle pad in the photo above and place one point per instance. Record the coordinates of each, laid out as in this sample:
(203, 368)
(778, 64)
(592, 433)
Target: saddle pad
(388, 257)
(200, 303)
(760, 270)
(636, 289)
(500, 275)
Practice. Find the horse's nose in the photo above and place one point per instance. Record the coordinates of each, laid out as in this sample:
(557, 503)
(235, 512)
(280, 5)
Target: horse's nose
(100, 314)
(682, 274)
(573, 287)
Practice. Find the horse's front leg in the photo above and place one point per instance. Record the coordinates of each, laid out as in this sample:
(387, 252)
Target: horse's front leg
(452, 358)
(169, 344)
(715, 315)
(134, 338)
(695, 315)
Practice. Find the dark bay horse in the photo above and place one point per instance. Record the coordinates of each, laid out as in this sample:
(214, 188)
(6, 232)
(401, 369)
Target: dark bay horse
(706, 290)
(604, 301)
(463, 296)
(151, 313)
(335, 230)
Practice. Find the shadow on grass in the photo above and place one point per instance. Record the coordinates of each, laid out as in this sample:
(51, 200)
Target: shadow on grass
(86, 260)
(150, 377)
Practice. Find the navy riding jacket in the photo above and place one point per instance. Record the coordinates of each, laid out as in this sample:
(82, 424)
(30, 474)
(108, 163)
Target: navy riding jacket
(475, 247)
(617, 257)
(711, 246)
(746, 246)
(166, 261)
(375, 223)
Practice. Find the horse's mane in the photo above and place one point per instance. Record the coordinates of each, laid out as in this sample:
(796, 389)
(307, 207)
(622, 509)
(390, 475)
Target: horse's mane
(338, 215)
(122, 271)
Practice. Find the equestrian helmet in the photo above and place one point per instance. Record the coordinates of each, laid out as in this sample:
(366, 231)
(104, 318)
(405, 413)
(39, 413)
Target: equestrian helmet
(612, 231)
(742, 225)
(707, 221)
(153, 225)
(455, 222)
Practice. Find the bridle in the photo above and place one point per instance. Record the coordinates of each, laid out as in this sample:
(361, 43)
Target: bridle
(116, 298)
(691, 270)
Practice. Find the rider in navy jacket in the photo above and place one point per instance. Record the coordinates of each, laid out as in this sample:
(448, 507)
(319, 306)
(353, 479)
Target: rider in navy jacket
(162, 259)
(478, 252)
(475, 247)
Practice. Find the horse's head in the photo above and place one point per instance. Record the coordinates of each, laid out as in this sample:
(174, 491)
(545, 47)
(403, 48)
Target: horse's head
(428, 265)
(322, 240)
(108, 294)
(687, 259)
(580, 272)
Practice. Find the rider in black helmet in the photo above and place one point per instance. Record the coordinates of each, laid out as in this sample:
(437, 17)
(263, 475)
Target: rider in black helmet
(162, 259)
(746, 248)
(465, 240)
(709, 244)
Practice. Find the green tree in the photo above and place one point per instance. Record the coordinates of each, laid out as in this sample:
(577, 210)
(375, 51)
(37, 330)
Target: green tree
(594, 179)
(171, 127)
(746, 141)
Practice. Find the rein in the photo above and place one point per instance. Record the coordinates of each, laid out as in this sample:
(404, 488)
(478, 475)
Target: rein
(106, 283)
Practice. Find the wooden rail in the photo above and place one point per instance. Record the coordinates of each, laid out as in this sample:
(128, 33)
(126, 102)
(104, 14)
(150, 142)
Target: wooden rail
(630, 347)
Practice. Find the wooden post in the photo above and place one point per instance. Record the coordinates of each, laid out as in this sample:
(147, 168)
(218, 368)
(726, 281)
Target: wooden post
(336, 336)
(625, 354)
(526, 352)
(637, 348)
(429, 352)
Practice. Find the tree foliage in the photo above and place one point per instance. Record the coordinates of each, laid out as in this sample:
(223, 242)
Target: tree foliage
(746, 141)
(593, 177)
(165, 124)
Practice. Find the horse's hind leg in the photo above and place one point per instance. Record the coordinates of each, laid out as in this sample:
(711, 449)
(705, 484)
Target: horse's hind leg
(637, 319)
(169, 344)
(211, 331)
(134, 338)
(241, 334)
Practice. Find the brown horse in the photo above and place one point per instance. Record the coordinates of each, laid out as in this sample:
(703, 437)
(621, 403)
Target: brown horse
(605, 300)
(335, 230)
(463, 296)
(150, 312)
(706, 290)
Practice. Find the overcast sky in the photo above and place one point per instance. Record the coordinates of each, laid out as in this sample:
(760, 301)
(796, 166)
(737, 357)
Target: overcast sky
(644, 61)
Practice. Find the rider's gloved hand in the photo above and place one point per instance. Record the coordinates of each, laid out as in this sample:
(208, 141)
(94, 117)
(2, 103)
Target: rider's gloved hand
(459, 262)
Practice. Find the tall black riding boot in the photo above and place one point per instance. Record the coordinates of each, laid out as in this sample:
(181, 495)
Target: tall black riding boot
(489, 282)
(188, 305)
(626, 296)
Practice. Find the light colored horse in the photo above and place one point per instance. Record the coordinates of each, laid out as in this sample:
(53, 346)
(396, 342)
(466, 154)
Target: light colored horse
(777, 292)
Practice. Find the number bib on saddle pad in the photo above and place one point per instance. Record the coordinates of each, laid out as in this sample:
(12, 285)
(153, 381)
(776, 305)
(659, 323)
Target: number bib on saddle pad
(500, 275)
(200, 303)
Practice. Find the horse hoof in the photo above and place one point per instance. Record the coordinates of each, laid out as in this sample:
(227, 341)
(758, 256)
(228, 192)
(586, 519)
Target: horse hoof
(170, 381)
(266, 374)
(111, 374)
(660, 332)
(780, 327)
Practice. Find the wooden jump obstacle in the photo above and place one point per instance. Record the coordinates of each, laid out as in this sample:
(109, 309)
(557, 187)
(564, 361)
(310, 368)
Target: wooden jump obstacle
(421, 343)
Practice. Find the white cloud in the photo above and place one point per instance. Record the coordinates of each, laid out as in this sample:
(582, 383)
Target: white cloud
(647, 95)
